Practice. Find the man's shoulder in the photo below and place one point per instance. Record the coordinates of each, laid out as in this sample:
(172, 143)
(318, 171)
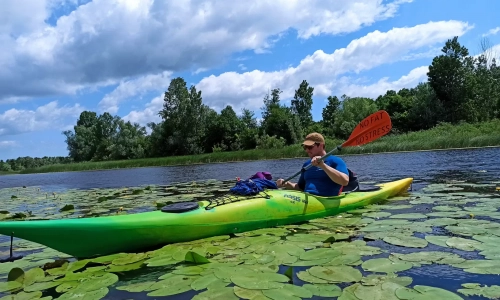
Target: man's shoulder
(334, 159)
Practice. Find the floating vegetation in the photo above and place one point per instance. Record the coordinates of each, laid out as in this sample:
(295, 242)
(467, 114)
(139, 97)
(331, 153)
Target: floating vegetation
(368, 253)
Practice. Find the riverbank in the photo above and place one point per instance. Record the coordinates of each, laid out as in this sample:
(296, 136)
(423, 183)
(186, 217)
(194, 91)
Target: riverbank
(438, 138)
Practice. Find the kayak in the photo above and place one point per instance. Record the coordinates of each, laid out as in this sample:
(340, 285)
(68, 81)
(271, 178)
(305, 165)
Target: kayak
(188, 221)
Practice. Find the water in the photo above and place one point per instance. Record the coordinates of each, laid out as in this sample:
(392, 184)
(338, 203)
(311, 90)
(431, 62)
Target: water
(424, 167)
(476, 166)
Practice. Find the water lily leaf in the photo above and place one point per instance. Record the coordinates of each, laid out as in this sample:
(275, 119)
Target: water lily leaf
(358, 247)
(421, 292)
(376, 215)
(437, 240)
(323, 290)
(465, 230)
(256, 282)
(345, 259)
(40, 286)
(307, 277)
(320, 253)
(171, 290)
(395, 206)
(246, 293)
(406, 241)
(217, 293)
(446, 208)
(336, 274)
(385, 265)
(122, 268)
(280, 293)
(24, 296)
(194, 257)
(441, 222)
(170, 280)
(16, 274)
(348, 292)
(429, 257)
(308, 263)
(160, 261)
(66, 286)
(96, 283)
(128, 259)
(107, 259)
(206, 282)
(409, 216)
(299, 291)
(480, 266)
(9, 286)
(471, 289)
(33, 275)
(191, 270)
(93, 294)
(383, 291)
(373, 279)
(462, 244)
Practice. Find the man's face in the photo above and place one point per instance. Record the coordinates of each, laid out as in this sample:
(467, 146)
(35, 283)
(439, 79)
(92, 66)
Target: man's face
(314, 150)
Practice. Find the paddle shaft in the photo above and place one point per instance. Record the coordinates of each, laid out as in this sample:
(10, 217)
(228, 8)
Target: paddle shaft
(310, 165)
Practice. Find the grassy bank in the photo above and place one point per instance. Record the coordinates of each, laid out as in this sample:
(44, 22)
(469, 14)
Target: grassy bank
(440, 137)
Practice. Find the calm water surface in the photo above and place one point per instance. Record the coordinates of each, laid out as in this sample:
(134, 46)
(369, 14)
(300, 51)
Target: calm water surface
(424, 167)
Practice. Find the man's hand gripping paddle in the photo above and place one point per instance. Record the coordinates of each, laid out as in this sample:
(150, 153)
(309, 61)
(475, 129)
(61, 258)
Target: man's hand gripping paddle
(369, 129)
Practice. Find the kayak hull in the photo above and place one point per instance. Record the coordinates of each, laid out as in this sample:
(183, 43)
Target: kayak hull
(91, 237)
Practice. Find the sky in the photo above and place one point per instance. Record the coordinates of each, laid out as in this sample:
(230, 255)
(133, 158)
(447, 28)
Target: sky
(61, 57)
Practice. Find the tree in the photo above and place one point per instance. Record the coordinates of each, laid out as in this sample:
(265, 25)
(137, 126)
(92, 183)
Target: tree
(350, 113)
(451, 76)
(329, 112)
(302, 103)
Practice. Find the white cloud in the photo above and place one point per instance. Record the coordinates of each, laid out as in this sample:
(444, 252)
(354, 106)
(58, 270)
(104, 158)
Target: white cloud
(49, 116)
(321, 69)
(132, 88)
(149, 114)
(8, 144)
(492, 31)
(103, 41)
(380, 87)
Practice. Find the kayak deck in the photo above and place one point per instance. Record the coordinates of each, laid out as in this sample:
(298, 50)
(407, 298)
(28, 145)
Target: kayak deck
(90, 237)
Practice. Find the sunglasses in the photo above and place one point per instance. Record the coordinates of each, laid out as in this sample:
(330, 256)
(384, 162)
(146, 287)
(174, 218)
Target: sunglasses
(310, 147)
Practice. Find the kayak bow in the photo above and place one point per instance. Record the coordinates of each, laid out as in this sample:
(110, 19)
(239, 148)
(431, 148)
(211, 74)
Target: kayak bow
(90, 237)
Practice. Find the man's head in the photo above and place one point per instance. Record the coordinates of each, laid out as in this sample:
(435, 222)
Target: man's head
(314, 144)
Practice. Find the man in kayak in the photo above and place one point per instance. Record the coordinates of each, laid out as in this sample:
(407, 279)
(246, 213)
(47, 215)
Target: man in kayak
(324, 178)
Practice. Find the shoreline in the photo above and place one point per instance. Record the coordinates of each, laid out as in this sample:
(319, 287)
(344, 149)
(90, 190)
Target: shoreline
(125, 162)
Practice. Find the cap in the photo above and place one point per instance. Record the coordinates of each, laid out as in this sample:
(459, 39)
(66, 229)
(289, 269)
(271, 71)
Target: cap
(313, 138)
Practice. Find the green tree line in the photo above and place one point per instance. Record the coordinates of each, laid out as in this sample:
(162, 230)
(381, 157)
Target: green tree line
(460, 88)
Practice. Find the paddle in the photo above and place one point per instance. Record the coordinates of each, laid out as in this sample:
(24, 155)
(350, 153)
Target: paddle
(369, 129)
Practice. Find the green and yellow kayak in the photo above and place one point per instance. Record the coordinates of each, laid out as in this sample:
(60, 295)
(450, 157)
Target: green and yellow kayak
(180, 222)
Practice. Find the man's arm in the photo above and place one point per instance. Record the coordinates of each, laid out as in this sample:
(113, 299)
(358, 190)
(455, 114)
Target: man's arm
(290, 185)
(335, 175)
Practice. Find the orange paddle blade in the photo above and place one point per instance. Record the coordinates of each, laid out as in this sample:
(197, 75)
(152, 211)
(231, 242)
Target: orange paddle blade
(371, 128)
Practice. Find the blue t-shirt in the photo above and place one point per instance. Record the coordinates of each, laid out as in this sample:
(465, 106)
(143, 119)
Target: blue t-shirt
(316, 181)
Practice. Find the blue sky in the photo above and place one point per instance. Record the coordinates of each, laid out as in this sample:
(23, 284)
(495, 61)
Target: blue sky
(65, 56)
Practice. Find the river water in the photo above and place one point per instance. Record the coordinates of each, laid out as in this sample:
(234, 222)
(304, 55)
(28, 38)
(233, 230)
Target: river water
(472, 165)
(424, 167)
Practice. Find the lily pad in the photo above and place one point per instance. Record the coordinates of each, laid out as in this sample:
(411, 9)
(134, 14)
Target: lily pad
(323, 290)
(262, 281)
(462, 244)
(9, 286)
(336, 274)
(471, 289)
(217, 293)
(385, 265)
(421, 292)
(406, 241)
(409, 216)
(320, 253)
